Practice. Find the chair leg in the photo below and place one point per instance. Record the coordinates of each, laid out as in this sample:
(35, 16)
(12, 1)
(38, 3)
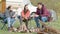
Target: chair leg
(30, 24)
(3, 26)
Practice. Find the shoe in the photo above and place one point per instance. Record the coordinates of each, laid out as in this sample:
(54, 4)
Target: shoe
(9, 29)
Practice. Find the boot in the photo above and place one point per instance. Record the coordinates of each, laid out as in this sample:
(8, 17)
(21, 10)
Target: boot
(13, 29)
(9, 29)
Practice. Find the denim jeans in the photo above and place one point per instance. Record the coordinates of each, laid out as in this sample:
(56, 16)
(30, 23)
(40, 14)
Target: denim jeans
(10, 21)
(44, 19)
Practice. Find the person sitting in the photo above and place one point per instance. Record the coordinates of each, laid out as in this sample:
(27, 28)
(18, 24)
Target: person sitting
(10, 17)
(41, 14)
(25, 15)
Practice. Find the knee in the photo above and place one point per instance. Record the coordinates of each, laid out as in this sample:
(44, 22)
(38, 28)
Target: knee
(36, 18)
(44, 19)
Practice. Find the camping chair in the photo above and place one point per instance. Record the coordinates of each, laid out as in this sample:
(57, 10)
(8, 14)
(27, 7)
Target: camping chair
(4, 23)
(2, 17)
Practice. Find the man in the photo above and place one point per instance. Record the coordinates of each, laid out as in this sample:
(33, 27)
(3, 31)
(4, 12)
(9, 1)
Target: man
(41, 14)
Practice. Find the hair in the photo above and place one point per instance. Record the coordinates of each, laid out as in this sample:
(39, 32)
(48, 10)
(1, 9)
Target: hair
(25, 9)
(41, 4)
(8, 7)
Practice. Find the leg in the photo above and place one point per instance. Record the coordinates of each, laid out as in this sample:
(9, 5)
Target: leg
(20, 19)
(37, 22)
(26, 23)
(8, 21)
(12, 22)
(24, 27)
(11, 25)
(44, 19)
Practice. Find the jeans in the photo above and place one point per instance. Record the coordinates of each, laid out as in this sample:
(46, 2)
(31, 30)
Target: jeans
(44, 19)
(10, 21)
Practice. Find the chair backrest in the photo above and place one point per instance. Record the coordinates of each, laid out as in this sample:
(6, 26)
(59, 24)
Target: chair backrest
(53, 15)
(1, 15)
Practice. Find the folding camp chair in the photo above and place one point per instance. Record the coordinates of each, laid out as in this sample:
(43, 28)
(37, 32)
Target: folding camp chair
(3, 24)
(2, 17)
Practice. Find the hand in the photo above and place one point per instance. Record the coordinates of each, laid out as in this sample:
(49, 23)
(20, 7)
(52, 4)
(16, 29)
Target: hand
(36, 15)
(26, 18)
(13, 16)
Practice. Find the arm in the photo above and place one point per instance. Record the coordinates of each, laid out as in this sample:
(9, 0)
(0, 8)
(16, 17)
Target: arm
(7, 13)
(46, 12)
(14, 14)
(22, 14)
(36, 14)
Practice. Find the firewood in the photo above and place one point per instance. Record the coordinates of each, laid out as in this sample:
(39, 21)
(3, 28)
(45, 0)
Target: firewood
(49, 29)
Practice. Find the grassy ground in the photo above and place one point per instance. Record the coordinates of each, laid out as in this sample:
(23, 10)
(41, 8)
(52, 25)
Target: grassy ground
(55, 25)
(5, 31)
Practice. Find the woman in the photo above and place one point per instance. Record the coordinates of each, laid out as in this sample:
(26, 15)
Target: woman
(41, 14)
(25, 15)
(10, 17)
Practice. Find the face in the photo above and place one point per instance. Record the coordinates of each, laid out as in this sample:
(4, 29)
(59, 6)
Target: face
(39, 6)
(26, 7)
(11, 8)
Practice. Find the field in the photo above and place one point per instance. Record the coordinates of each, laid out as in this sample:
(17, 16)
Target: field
(51, 4)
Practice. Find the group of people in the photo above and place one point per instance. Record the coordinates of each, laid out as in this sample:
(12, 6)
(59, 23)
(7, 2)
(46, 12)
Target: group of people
(41, 14)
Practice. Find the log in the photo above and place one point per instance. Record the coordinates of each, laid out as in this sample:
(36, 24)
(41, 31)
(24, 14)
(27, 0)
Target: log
(49, 29)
